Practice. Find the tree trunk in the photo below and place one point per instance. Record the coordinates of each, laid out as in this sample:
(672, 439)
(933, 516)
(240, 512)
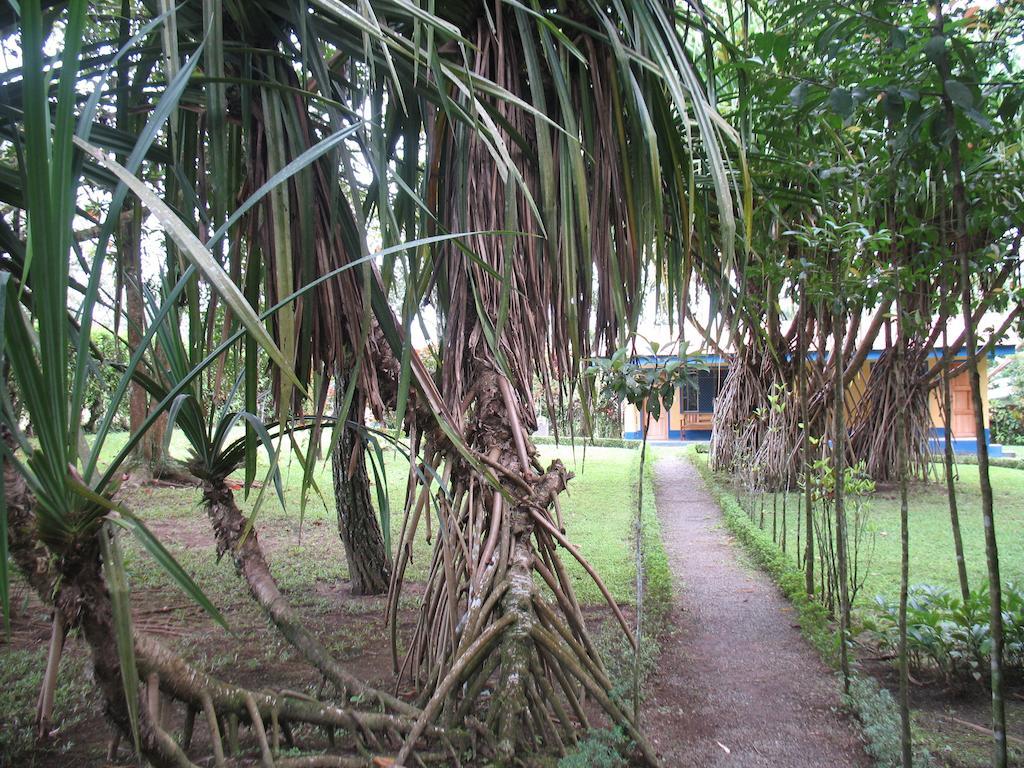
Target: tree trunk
(995, 587)
(804, 414)
(369, 564)
(839, 472)
(906, 746)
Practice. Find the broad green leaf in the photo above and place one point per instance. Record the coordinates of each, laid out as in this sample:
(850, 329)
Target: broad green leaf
(798, 96)
(841, 102)
(960, 94)
(935, 48)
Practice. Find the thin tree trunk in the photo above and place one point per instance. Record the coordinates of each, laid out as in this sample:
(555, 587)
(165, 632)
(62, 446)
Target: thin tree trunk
(804, 415)
(369, 566)
(638, 532)
(999, 756)
(906, 745)
(839, 473)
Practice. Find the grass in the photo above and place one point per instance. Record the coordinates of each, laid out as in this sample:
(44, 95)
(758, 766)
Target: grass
(931, 536)
(598, 511)
(21, 675)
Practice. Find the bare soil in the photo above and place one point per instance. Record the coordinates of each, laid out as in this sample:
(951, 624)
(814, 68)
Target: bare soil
(737, 684)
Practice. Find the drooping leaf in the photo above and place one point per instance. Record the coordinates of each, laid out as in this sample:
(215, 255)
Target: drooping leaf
(198, 254)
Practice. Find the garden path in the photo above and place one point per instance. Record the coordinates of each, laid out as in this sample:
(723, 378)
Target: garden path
(736, 684)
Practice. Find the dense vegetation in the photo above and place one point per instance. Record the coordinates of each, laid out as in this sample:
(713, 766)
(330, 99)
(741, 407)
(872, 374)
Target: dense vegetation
(271, 202)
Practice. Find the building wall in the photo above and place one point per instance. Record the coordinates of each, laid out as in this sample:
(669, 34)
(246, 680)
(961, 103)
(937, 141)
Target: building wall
(676, 424)
(671, 425)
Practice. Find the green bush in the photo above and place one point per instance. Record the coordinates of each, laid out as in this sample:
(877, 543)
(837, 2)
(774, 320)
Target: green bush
(879, 717)
(602, 748)
(597, 442)
(946, 636)
(1007, 422)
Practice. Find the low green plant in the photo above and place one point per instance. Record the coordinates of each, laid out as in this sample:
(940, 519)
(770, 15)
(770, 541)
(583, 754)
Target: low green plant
(597, 442)
(947, 636)
(21, 676)
(602, 748)
(879, 717)
(1007, 420)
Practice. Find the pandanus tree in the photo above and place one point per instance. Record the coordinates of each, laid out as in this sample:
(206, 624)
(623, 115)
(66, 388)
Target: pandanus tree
(578, 134)
(60, 510)
(606, 125)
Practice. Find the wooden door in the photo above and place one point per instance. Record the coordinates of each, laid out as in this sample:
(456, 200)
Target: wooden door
(658, 430)
(963, 411)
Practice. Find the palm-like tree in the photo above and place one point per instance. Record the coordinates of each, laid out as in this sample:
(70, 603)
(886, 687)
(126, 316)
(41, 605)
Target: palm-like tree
(571, 141)
(606, 134)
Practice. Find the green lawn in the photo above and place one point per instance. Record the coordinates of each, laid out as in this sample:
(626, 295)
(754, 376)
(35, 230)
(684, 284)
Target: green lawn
(931, 539)
(310, 566)
(597, 510)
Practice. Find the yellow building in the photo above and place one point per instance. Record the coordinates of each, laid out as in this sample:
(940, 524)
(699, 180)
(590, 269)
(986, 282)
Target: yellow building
(689, 419)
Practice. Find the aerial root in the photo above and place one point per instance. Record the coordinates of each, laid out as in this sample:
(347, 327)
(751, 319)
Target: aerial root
(552, 657)
(233, 536)
(368, 733)
(466, 664)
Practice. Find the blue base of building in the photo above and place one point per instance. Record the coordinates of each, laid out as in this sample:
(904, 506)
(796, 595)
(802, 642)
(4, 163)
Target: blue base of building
(673, 434)
(961, 445)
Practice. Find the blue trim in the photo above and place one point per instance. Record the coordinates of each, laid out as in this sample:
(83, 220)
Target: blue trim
(697, 434)
(963, 445)
(634, 435)
(695, 358)
(999, 350)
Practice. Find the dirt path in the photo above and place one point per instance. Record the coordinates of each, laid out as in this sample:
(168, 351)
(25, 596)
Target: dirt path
(736, 685)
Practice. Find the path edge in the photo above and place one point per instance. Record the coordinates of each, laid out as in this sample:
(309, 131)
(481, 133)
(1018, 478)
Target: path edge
(866, 696)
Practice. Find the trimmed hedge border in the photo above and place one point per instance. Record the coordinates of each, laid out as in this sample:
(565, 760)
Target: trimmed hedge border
(596, 442)
(1005, 462)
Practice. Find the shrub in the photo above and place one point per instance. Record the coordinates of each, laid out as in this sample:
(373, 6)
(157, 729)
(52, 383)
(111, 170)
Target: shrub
(879, 717)
(946, 636)
(597, 442)
(602, 748)
(1007, 422)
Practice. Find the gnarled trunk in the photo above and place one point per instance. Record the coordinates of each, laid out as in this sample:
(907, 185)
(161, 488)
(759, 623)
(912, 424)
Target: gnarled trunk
(483, 621)
(229, 526)
(369, 564)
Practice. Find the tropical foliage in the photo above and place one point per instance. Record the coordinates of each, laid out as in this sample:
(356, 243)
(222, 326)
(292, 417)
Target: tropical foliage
(274, 196)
